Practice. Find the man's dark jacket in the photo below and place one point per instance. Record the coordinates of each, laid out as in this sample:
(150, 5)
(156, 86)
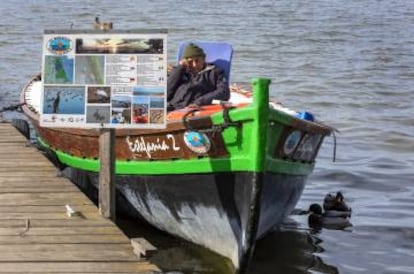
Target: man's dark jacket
(184, 88)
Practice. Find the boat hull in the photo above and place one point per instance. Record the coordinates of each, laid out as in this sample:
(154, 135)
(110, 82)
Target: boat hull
(210, 210)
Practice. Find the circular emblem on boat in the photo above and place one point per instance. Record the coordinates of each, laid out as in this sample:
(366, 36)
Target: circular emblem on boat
(308, 147)
(292, 142)
(59, 45)
(197, 142)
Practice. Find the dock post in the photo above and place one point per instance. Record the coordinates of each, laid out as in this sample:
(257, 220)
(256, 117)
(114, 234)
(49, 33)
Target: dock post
(107, 173)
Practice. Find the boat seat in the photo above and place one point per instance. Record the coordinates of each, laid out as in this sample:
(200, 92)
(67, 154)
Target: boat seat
(218, 53)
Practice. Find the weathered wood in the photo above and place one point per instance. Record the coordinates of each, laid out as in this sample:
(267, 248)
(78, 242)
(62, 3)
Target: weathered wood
(34, 180)
(19, 199)
(46, 215)
(62, 239)
(58, 231)
(66, 252)
(78, 267)
(40, 189)
(14, 163)
(36, 233)
(142, 247)
(69, 222)
(45, 209)
(27, 173)
(107, 173)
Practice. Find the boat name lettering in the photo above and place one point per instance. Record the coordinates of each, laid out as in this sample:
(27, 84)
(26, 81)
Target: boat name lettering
(141, 145)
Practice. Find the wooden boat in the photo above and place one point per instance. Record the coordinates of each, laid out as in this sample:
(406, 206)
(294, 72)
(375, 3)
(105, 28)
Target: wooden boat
(220, 176)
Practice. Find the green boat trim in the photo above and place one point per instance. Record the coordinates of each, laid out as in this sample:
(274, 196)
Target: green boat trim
(204, 165)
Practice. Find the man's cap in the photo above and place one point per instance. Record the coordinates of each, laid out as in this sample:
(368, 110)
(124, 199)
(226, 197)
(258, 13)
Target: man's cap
(192, 50)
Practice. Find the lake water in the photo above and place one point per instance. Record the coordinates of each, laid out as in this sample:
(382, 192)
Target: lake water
(350, 63)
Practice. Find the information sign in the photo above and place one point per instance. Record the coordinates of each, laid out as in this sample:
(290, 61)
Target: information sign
(104, 79)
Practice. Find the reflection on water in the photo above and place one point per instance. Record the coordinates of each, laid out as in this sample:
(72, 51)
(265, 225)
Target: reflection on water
(292, 250)
(174, 255)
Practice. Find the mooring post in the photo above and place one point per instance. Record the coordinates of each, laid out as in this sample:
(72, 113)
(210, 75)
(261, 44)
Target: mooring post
(107, 173)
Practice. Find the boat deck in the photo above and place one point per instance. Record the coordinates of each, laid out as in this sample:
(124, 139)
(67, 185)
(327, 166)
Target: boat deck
(36, 232)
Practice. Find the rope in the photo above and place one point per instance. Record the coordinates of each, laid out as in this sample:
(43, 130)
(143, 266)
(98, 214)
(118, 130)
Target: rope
(214, 128)
(334, 147)
(12, 107)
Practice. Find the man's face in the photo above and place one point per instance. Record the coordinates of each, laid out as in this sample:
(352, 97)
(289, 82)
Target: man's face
(196, 64)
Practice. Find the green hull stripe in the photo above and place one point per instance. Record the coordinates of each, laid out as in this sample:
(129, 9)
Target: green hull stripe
(205, 165)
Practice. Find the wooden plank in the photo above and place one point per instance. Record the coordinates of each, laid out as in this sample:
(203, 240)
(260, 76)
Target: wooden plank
(63, 239)
(27, 170)
(142, 247)
(38, 189)
(17, 199)
(70, 222)
(78, 267)
(11, 135)
(47, 215)
(21, 143)
(17, 164)
(59, 231)
(28, 157)
(20, 147)
(26, 173)
(41, 208)
(66, 252)
(7, 140)
(34, 180)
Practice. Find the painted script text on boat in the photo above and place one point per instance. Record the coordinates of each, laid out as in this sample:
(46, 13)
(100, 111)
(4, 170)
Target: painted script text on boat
(140, 145)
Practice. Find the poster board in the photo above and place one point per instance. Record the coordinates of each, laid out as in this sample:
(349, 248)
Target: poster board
(96, 79)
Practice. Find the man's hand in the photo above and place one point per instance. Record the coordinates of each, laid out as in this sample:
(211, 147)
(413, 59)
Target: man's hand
(184, 62)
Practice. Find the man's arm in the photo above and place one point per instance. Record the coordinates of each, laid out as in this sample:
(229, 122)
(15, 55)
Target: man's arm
(174, 81)
(222, 91)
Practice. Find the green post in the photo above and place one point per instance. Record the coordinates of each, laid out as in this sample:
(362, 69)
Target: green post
(261, 109)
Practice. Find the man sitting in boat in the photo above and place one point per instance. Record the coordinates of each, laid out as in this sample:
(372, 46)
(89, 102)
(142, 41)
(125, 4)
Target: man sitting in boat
(194, 82)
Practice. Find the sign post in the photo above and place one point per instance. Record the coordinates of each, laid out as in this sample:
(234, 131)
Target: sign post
(107, 189)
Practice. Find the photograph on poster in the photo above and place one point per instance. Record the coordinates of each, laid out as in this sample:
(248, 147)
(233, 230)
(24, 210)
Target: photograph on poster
(121, 116)
(119, 46)
(121, 101)
(156, 116)
(58, 70)
(157, 102)
(64, 100)
(89, 70)
(98, 114)
(140, 108)
(148, 91)
(99, 94)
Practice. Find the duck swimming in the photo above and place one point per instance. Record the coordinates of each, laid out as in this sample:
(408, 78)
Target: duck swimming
(102, 26)
(336, 203)
(331, 219)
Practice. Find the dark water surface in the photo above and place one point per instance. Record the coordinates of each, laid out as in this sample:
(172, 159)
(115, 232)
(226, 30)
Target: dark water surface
(350, 63)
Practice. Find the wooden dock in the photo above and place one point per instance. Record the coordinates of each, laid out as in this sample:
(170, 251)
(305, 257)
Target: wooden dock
(37, 235)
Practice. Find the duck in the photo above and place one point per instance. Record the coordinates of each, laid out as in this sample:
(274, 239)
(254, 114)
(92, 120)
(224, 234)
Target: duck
(336, 202)
(102, 26)
(331, 219)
